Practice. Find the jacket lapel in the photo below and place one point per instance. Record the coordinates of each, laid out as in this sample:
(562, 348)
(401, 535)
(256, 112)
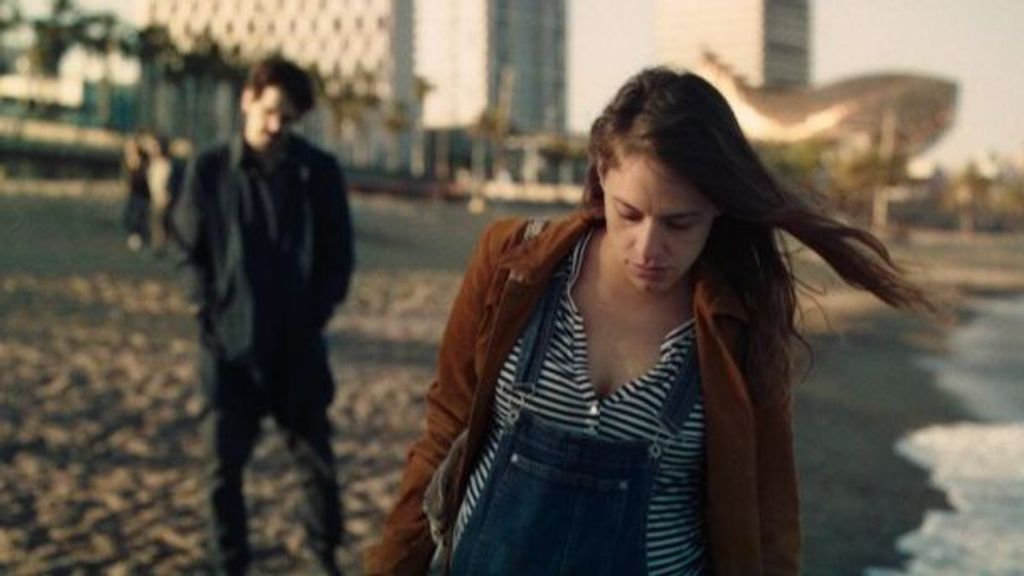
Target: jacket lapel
(520, 277)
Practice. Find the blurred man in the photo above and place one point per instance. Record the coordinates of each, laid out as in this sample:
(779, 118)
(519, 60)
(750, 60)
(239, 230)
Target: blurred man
(264, 222)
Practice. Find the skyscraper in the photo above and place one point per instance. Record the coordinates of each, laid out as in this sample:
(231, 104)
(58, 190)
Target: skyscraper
(338, 38)
(484, 55)
(767, 42)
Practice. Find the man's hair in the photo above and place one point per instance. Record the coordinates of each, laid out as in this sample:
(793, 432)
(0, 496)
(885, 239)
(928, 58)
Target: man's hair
(286, 75)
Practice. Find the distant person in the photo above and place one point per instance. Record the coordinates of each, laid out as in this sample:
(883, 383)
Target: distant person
(613, 393)
(159, 179)
(264, 222)
(136, 208)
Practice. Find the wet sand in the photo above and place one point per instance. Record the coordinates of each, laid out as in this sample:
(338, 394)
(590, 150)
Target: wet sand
(100, 459)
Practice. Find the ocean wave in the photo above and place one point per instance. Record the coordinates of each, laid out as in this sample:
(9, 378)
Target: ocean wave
(981, 469)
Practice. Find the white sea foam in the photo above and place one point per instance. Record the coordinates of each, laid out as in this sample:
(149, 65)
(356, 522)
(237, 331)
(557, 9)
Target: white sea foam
(981, 469)
(984, 368)
(979, 466)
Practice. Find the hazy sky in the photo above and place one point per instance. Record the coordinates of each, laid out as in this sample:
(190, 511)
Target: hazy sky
(977, 43)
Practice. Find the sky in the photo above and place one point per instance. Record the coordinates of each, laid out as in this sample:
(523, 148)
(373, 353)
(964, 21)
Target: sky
(977, 43)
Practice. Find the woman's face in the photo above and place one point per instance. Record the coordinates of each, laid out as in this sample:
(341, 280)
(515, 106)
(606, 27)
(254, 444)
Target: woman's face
(657, 222)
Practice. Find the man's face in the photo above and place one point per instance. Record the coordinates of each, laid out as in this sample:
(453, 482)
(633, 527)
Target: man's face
(268, 116)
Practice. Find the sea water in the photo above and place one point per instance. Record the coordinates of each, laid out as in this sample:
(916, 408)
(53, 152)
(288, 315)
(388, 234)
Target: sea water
(979, 465)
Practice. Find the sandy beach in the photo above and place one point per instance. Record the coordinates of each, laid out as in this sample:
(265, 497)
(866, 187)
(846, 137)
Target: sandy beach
(100, 459)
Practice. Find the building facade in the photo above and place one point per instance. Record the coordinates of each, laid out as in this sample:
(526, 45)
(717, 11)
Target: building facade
(766, 42)
(368, 43)
(506, 56)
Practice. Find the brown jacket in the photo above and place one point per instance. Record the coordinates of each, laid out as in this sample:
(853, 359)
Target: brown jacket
(752, 510)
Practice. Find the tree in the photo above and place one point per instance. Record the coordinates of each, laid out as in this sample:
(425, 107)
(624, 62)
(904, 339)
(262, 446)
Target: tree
(971, 190)
(490, 130)
(103, 34)
(1010, 201)
(396, 122)
(53, 35)
(561, 152)
(862, 179)
(796, 165)
(203, 68)
(160, 62)
(421, 89)
(350, 102)
(10, 19)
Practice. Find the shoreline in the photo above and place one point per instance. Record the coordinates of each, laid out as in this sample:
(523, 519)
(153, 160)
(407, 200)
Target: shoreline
(867, 389)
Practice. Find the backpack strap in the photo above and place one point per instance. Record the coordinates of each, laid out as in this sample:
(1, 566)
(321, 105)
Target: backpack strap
(534, 226)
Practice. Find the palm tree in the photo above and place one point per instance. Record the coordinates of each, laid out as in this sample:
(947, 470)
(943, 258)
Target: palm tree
(10, 19)
(103, 34)
(160, 61)
(421, 89)
(396, 122)
(971, 189)
(490, 129)
(66, 26)
(203, 68)
(350, 102)
(561, 152)
(53, 35)
(365, 84)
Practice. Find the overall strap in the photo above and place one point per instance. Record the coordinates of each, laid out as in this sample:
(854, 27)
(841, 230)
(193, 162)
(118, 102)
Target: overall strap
(683, 394)
(537, 336)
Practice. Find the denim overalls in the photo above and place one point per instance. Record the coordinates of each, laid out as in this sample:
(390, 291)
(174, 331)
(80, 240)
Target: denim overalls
(560, 501)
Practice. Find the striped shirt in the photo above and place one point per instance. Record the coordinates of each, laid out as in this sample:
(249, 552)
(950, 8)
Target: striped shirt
(564, 395)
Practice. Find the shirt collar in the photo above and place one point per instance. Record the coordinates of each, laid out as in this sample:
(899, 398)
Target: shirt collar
(239, 153)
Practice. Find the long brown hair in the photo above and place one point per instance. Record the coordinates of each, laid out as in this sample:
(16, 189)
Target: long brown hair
(682, 121)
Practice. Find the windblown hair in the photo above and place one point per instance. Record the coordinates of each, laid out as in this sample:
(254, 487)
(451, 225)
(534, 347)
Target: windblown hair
(286, 75)
(684, 123)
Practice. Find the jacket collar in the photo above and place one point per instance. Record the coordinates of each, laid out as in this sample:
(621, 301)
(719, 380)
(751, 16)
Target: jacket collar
(294, 153)
(236, 151)
(535, 261)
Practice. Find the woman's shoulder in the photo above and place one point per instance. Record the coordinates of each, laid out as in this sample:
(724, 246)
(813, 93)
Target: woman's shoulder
(505, 233)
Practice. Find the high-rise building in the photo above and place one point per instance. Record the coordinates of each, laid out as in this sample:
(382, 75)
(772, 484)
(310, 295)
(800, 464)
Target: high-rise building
(766, 42)
(338, 38)
(506, 56)
(360, 42)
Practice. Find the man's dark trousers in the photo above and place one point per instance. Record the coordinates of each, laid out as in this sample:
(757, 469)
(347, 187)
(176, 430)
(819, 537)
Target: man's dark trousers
(241, 400)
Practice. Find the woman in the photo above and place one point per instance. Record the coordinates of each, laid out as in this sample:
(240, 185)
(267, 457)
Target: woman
(136, 209)
(623, 376)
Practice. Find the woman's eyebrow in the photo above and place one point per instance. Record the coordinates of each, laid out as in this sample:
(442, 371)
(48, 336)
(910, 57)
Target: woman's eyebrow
(687, 215)
(682, 215)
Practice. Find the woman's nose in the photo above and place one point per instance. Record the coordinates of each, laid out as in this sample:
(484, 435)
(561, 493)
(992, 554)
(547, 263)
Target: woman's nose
(648, 240)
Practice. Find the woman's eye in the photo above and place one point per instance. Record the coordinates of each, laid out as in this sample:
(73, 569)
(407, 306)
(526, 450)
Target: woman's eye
(680, 226)
(630, 216)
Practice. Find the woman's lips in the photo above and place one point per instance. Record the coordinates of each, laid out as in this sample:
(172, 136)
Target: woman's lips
(648, 271)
